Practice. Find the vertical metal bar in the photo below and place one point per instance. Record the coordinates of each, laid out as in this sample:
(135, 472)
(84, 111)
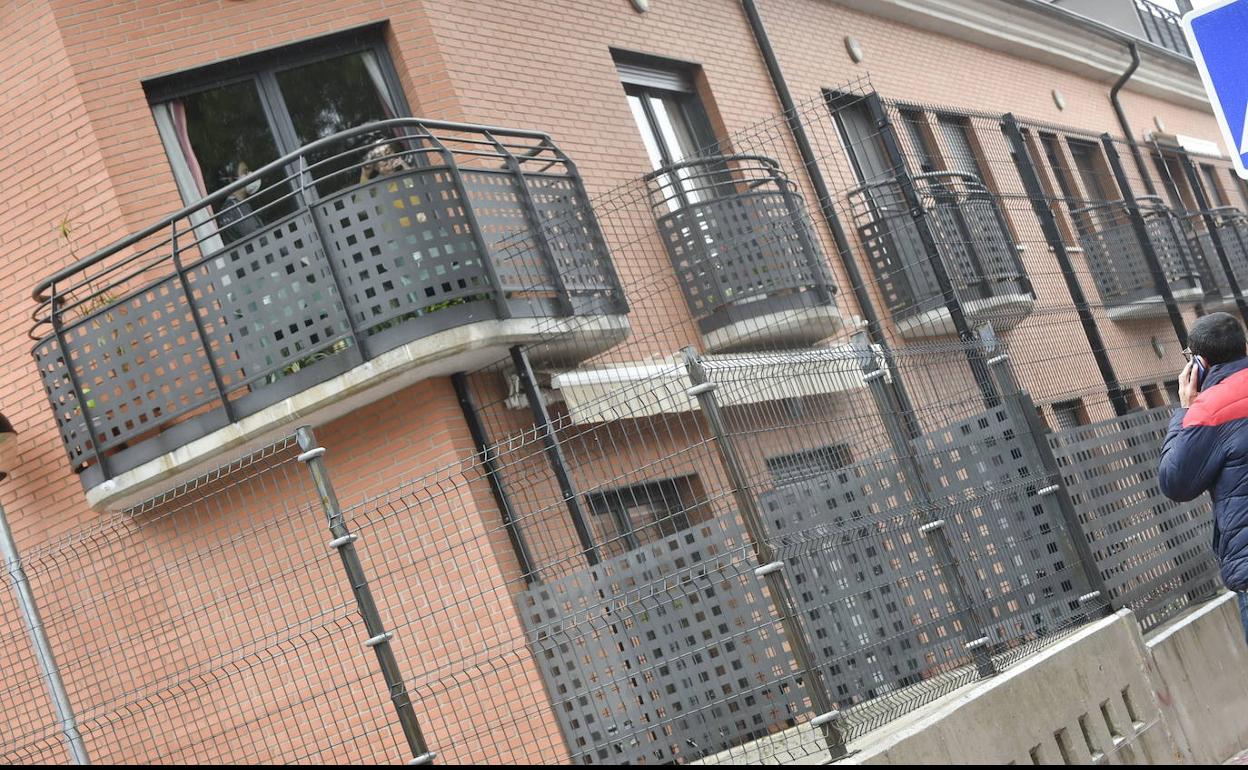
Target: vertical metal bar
(1048, 225)
(378, 637)
(769, 569)
(470, 216)
(964, 232)
(554, 452)
(472, 416)
(199, 324)
(918, 214)
(1202, 202)
(964, 606)
(813, 259)
(318, 227)
(540, 236)
(43, 647)
(54, 316)
(1023, 412)
(1160, 280)
(594, 229)
(827, 208)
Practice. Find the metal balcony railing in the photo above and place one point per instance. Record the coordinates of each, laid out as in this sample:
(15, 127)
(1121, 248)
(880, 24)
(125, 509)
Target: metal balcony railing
(1231, 225)
(1116, 258)
(1162, 26)
(738, 236)
(974, 243)
(352, 246)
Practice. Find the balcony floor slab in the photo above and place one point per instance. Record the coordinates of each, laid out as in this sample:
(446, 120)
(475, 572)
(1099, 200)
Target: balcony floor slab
(796, 328)
(462, 348)
(1003, 312)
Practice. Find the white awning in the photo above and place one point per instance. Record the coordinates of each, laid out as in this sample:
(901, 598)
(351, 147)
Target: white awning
(643, 390)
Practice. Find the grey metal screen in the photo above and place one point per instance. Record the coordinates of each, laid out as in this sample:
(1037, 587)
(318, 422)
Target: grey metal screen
(664, 653)
(1153, 553)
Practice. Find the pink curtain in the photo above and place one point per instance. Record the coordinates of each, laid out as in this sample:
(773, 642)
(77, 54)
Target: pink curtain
(178, 111)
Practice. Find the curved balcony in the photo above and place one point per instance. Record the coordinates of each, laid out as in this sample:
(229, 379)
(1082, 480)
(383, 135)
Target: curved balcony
(749, 265)
(1116, 258)
(973, 242)
(349, 274)
(1231, 225)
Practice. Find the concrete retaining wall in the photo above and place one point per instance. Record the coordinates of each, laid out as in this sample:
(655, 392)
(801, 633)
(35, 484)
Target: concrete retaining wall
(1086, 699)
(1104, 695)
(1200, 670)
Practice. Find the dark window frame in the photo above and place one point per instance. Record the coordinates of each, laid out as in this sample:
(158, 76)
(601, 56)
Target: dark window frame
(692, 107)
(263, 68)
(790, 468)
(612, 506)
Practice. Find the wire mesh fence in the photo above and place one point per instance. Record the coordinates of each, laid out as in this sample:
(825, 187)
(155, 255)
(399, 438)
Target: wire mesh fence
(883, 424)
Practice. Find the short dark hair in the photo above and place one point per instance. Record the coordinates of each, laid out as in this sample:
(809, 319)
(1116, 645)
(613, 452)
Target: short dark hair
(1218, 337)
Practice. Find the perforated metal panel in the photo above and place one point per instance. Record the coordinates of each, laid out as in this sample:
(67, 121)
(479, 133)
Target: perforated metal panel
(428, 247)
(1008, 537)
(861, 573)
(1115, 256)
(970, 235)
(970, 232)
(1154, 554)
(1233, 232)
(738, 238)
(403, 248)
(139, 362)
(576, 244)
(269, 302)
(70, 422)
(665, 653)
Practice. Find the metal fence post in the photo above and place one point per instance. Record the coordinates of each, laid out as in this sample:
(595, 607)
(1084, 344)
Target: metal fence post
(1160, 280)
(43, 648)
(1202, 202)
(378, 637)
(1053, 235)
(769, 568)
(1022, 411)
(934, 529)
(918, 213)
(554, 453)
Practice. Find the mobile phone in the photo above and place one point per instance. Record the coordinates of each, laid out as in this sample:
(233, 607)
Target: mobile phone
(1201, 370)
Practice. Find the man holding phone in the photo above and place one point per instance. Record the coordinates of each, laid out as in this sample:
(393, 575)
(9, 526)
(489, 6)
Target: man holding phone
(1206, 448)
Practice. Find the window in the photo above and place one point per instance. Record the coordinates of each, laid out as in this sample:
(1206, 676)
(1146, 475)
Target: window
(1172, 390)
(918, 136)
(630, 517)
(1213, 187)
(1152, 396)
(1070, 414)
(1090, 163)
(957, 135)
(809, 463)
(861, 137)
(671, 118)
(224, 121)
(1132, 398)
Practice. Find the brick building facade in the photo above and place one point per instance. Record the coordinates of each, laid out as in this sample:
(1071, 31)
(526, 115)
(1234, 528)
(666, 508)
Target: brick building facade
(88, 161)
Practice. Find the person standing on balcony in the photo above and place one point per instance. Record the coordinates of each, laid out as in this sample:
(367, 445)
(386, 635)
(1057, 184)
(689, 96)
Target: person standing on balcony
(1206, 448)
(237, 219)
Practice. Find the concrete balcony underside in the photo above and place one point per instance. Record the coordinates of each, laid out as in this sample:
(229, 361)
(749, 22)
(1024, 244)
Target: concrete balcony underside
(462, 348)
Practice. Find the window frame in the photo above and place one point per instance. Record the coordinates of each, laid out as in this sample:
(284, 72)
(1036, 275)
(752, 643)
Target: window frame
(609, 504)
(263, 67)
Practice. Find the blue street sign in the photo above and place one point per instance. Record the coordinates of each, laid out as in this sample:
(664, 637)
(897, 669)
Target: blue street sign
(1218, 37)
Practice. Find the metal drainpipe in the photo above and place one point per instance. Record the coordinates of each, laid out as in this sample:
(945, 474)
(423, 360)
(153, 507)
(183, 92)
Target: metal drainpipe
(875, 330)
(1134, 50)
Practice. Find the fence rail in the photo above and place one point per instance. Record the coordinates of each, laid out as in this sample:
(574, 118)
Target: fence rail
(674, 551)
